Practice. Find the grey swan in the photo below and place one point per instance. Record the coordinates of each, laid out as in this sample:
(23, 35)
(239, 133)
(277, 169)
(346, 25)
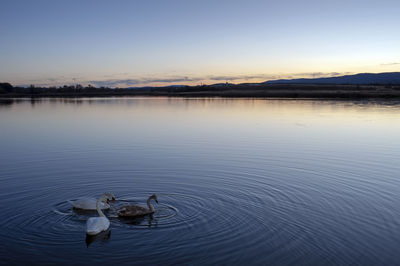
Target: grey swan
(136, 210)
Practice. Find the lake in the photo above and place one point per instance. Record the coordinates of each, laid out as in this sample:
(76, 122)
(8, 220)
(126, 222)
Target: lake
(239, 181)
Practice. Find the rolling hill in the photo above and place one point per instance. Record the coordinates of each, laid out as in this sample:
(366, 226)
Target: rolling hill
(389, 78)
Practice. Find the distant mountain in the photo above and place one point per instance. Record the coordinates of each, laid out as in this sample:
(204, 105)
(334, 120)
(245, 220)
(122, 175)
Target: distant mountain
(392, 78)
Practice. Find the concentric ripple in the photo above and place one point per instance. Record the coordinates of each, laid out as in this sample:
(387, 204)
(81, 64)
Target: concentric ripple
(238, 181)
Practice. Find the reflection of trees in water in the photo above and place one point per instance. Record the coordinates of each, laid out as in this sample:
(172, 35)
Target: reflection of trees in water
(33, 102)
(4, 103)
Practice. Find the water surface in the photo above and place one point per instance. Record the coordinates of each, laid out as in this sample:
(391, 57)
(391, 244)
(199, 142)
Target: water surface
(239, 181)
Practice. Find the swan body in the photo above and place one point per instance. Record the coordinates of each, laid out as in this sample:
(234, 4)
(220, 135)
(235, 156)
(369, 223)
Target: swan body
(136, 210)
(95, 225)
(91, 203)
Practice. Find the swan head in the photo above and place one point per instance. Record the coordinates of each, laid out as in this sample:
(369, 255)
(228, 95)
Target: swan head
(154, 197)
(104, 199)
(109, 197)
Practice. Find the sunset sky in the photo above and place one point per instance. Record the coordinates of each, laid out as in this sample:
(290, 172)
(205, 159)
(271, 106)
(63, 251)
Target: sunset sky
(141, 43)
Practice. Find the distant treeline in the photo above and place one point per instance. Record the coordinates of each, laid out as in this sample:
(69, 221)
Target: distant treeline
(7, 88)
(261, 90)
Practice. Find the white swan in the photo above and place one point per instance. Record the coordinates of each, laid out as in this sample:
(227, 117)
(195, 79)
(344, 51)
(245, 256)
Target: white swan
(91, 203)
(95, 225)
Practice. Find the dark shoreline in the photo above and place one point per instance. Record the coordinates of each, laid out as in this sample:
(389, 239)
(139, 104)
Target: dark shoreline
(224, 91)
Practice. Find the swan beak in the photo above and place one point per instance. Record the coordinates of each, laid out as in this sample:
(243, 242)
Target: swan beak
(157, 201)
(113, 199)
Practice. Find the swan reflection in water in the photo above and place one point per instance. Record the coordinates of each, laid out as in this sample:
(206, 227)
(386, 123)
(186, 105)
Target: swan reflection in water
(104, 236)
(141, 221)
(101, 237)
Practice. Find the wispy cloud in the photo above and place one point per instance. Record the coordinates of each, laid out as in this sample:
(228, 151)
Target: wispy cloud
(178, 80)
(319, 74)
(240, 77)
(390, 64)
(117, 81)
(141, 81)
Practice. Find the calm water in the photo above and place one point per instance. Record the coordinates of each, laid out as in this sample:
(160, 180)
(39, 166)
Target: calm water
(278, 182)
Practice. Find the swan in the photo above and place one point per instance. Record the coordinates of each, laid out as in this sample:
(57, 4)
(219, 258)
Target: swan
(136, 210)
(91, 203)
(95, 225)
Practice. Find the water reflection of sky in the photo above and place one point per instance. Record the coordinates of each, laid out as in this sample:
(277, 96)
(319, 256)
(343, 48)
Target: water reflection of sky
(268, 181)
(211, 120)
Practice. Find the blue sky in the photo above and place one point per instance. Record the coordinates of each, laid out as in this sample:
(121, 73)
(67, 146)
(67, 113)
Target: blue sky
(135, 43)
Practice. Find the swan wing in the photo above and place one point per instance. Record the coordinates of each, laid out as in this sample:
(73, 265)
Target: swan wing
(95, 225)
(88, 204)
(132, 211)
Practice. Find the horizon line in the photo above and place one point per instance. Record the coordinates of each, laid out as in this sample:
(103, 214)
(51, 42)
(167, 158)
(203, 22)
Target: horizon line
(113, 83)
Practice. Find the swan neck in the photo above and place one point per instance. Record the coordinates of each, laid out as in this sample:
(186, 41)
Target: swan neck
(149, 205)
(99, 208)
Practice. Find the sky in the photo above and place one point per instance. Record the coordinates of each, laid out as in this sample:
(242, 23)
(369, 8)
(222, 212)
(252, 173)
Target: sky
(155, 43)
